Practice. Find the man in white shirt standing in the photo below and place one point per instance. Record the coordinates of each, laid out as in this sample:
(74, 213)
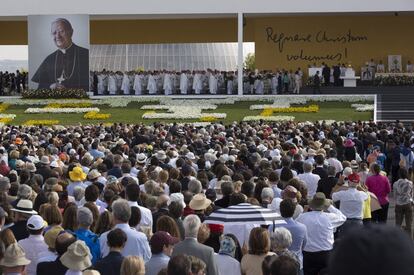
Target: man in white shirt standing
(351, 203)
(310, 179)
(320, 224)
(35, 243)
(136, 244)
(333, 161)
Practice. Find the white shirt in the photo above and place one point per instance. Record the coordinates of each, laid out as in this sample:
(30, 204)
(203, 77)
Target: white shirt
(33, 246)
(146, 215)
(335, 163)
(320, 226)
(311, 181)
(136, 244)
(227, 265)
(47, 256)
(351, 202)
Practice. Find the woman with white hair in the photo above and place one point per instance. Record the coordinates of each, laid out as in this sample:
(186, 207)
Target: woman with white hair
(280, 241)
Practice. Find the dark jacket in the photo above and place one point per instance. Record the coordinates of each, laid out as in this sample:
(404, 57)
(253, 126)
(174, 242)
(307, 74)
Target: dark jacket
(19, 230)
(111, 264)
(55, 268)
(321, 172)
(326, 185)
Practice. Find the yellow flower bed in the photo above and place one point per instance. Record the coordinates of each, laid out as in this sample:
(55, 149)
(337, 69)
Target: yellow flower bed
(207, 119)
(4, 107)
(33, 122)
(306, 109)
(96, 115)
(5, 120)
(69, 105)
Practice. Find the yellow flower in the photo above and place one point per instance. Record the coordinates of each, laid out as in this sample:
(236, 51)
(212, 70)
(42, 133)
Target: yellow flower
(5, 119)
(4, 107)
(306, 109)
(207, 118)
(41, 122)
(96, 115)
(69, 105)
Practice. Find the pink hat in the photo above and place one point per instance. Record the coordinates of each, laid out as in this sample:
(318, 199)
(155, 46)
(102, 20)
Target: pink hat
(349, 143)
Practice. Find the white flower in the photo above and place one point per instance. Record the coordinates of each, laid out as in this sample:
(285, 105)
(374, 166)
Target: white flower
(363, 107)
(269, 118)
(60, 110)
(12, 116)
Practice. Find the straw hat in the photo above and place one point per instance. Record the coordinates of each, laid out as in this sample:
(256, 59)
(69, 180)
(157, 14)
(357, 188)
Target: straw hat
(199, 202)
(161, 155)
(319, 202)
(45, 160)
(31, 167)
(93, 174)
(25, 206)
(141, 158)
(52, 234)
(77, 257)
(77, 174)
(14, 256)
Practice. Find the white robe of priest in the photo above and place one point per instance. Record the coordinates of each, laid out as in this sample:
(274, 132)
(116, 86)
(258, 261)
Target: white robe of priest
(152, 85)
(168, 85)
(101, 84)
(273, 85)
(229, 86)
(183, 83)
(138, 84)
(197, 84)
(112, 85)
(125, 84)
(212, 84)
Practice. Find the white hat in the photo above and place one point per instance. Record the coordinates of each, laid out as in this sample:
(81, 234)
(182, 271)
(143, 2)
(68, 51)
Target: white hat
(93, 174)
(45, 160)
(77, 257)
(121, 142)
(25, 206)
(161, 155)
(14, 256)
(178, 197)
(190, 156)
(35, 222)
(141, 158)
(54, 164)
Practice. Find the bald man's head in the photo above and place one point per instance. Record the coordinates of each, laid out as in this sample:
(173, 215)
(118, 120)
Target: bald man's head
(63, 241)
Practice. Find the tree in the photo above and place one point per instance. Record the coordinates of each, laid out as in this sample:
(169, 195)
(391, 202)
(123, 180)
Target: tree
(249, 62)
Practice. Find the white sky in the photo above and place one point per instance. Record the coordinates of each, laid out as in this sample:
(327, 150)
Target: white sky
(14, 52)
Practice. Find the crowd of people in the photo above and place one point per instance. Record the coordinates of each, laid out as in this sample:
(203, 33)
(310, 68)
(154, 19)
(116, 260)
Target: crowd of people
(137, 199)
(12, 83)
(195, 82)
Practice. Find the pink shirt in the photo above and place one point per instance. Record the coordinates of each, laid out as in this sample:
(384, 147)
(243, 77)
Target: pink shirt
(380, 186)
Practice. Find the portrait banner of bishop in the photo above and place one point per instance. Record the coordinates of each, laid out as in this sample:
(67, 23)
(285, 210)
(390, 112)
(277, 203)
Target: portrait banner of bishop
(58, 51)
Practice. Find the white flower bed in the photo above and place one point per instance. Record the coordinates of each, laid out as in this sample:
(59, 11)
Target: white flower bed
(60, 110)
(267, 106)
(12, 116)
(363, 107)
(169, 106)
(182, 115)
(269, 118)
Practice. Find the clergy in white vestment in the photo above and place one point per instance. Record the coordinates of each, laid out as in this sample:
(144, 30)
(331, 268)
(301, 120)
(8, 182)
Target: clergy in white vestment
(125, 84)
(183, 83)
(212, 83)
(259, 85)
(152, 84)
(119, 76)
(138, 83)
(410, 67)
(102, 77)
(230, 83)
(273, 84)
(168, 85)
(197, 83)
(112, 84)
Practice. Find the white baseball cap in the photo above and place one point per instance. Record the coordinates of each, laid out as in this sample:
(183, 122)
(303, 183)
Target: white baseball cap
(35, 222)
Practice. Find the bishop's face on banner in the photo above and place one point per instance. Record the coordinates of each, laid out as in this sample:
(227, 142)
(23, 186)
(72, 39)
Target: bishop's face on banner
(68, 65)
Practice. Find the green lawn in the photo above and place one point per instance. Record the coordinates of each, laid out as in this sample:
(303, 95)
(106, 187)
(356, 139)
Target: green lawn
(339, 111)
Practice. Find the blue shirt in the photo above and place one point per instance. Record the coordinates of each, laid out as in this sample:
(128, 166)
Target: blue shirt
(96, 153)
(92, 241)
(299, 236)
(136, 244)
(156, 263)
(71, 187)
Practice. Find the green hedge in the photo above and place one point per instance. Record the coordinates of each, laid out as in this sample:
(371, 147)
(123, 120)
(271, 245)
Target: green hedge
(57, 93)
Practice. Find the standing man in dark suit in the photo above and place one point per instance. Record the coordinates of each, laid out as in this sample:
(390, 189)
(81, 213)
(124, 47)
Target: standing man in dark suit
(63, 241)
(316, 83)
(326, 73)
(320, 170)
(337, 74)
(192, 247)
(326, 185)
